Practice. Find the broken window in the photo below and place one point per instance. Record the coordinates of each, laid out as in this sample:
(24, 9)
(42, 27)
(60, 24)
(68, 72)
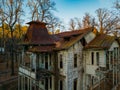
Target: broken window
(97, 57)
(92, 58)
(61, 61)
(75, 84)
(75, 60)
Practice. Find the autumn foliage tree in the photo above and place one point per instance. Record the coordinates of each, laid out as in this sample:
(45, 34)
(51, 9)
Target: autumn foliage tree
(12, 11)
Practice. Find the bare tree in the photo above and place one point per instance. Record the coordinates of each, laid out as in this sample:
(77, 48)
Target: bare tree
(72, 24)
(78, 23)
(87, 20)
(53, 22)
(41, 9)
(107, 20)
(75, 24)
(12, 10)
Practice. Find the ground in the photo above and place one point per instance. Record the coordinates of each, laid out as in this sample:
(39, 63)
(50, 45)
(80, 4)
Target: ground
(7, 82)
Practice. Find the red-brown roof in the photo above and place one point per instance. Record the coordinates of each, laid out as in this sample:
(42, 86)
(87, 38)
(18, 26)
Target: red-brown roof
(42, 49)
(101, 41)
(37, 34)
(73, 37)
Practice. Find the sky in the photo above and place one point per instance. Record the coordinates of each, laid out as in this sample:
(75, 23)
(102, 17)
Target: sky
(67, 9)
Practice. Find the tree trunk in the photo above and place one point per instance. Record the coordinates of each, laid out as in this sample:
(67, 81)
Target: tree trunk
(11, 52)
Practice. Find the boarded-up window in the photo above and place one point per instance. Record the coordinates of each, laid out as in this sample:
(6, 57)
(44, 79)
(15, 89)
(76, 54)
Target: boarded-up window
(97, 57)
(92, 58)
(61, 61)
(75, 84)
(75, 60)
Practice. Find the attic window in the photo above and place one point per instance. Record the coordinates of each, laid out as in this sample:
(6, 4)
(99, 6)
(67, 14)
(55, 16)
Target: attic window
(83, 41)
(67, 38)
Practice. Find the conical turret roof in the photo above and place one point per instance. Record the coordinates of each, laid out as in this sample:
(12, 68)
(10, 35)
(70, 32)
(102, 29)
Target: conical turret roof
(37, 33)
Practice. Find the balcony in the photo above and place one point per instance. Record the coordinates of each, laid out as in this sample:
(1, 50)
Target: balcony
(27, 71)
(36, 73)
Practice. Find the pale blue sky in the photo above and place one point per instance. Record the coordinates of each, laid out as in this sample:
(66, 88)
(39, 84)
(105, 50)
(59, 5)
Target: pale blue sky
(67, 9)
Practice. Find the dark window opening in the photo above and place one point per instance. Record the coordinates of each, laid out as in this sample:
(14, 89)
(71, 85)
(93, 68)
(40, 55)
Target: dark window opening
(67, 38)
(61, 61)
(75, 84)
(97, 57)
(46, 61)
(92, 58)
(61, 85)
(111, 57)
(42, 58)
(107, 59)
(92, 80)
(42, 82)
(50, 58)
(37, 61)
(50, 82)
(83, 41)
(75, 60)
(26, 87)
(46, 83)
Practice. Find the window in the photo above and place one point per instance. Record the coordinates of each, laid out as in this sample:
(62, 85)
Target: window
(92, 58)
(111, 57)
(50, 58)
(42, 82)
(37, 61)
(75, 60)
(75, 84)
(97, 57)
(46, 61)
(42, 58)
(50, 82)
(61, 85)
(61, 61)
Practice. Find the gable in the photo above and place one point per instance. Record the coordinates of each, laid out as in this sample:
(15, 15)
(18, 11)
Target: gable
(114, 44)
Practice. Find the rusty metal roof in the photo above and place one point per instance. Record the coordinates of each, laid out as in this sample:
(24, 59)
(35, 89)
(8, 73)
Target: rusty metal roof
(102, 41)
(42, 48)
(67, 39)
(37, 34)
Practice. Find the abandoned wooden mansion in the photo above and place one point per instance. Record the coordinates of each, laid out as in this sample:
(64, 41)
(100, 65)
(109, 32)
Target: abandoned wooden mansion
(71, 60)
